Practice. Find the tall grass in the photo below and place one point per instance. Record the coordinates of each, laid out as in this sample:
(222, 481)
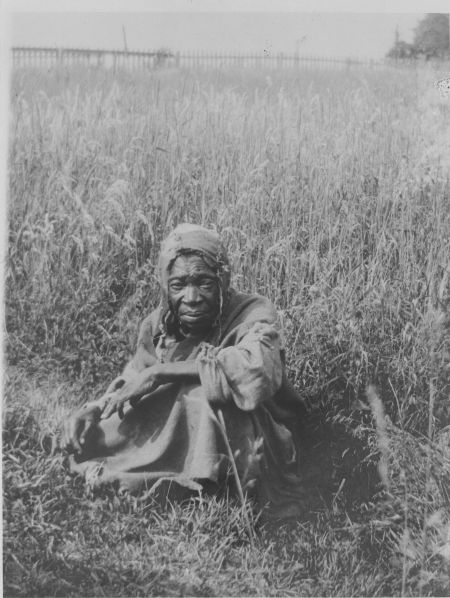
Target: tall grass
(320, 185)
(331, 191)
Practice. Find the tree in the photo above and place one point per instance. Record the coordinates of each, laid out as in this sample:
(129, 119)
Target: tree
(431, 36)
(431, 39)
(402, 50)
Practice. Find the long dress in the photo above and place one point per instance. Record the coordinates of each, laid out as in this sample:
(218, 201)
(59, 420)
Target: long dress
(174, 434)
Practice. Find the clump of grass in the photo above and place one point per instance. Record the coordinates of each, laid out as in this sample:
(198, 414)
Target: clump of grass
(412, 511)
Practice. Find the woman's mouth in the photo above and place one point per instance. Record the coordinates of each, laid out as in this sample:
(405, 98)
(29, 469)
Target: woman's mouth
(192, 314)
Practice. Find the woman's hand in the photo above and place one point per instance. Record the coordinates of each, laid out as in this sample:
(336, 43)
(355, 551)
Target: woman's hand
(112, 391)
(115, 384)
(84, 419)
(79, 424)
(133, 389)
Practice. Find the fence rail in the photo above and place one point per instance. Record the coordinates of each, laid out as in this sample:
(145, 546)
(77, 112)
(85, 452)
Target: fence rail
(133, 60)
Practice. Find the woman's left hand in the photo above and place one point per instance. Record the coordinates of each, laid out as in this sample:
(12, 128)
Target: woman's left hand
(134, 388)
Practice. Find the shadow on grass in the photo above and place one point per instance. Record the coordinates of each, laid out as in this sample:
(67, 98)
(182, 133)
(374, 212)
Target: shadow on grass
(61, 539)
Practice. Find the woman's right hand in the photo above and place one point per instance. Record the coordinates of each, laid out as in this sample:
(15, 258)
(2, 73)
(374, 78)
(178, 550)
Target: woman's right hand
(115, 385)
(84, 419)
(77, 427)
(135, 387)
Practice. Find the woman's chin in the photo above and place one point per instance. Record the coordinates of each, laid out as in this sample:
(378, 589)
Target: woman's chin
(195, 324)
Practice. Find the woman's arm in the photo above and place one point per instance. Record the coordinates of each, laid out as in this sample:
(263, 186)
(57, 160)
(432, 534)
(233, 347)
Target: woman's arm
(247, 373)
(84, 419)
(148, 380)
(177, 371)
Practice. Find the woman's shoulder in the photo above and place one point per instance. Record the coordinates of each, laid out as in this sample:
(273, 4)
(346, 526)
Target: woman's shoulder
(150, 325)
(250, 300)
(250, 307)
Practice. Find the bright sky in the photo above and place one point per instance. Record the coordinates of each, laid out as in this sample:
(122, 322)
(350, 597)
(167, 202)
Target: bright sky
(338, 34)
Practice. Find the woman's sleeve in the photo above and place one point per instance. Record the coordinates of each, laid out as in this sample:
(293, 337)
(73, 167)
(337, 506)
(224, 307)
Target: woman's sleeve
(247, 373)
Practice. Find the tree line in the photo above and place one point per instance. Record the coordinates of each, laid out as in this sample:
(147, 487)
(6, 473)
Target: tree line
(431, 40)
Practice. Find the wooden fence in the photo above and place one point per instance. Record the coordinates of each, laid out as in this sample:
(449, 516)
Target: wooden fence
(131, 60)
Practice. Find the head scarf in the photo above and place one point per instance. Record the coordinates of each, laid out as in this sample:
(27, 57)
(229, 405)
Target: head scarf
(194, 239)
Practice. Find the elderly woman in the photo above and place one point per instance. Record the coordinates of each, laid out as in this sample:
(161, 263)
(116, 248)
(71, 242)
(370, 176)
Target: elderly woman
(207, 376)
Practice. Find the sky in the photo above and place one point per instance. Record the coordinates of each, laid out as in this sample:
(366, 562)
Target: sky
(340, 28)
(329, 34)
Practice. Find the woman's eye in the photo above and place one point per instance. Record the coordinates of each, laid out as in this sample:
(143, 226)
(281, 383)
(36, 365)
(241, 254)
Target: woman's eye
(207, 285)
(176, 286)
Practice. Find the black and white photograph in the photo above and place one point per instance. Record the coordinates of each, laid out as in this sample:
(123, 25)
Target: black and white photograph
(226, 298)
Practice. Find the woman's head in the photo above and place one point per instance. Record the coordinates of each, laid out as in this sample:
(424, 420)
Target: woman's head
(195, 276)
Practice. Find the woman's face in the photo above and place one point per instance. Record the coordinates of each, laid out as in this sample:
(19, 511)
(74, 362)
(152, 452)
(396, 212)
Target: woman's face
(193, 293)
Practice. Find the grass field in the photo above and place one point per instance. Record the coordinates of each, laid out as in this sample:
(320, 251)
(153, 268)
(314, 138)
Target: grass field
(332, 192)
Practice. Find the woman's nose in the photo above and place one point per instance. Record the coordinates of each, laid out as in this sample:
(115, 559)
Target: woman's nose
(191, 295)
